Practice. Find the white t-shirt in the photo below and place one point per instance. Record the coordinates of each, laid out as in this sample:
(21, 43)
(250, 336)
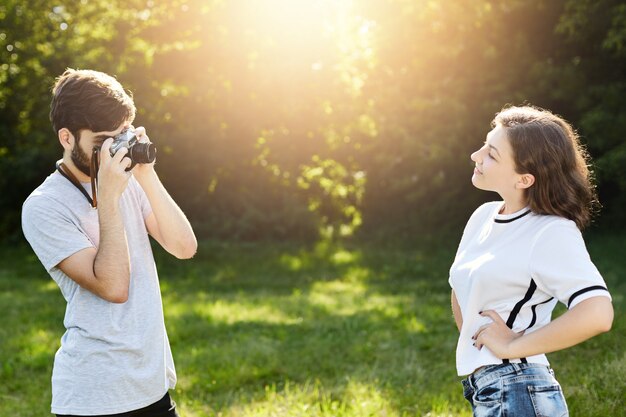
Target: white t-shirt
(519, 265)
(113, 357)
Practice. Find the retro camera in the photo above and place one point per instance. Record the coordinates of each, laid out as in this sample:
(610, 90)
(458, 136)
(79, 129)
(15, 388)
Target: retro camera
(138, 152)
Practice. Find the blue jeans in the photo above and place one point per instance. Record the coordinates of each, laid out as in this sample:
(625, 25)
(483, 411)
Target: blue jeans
(515, 390)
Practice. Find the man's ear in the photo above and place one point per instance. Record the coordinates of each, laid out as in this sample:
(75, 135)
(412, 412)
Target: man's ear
(525, 181)
(66, 138)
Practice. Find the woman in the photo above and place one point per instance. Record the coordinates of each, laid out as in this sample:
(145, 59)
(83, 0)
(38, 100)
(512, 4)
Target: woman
(518, 258)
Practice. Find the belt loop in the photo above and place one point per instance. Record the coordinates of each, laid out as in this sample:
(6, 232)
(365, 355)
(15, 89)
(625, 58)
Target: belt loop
(471, 380)
(518, 368)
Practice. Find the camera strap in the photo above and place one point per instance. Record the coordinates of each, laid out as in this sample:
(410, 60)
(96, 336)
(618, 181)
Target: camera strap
(93, 173)
(93, 170)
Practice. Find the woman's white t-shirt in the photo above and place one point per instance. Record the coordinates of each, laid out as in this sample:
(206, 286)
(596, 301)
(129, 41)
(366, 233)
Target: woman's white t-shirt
(519, 265)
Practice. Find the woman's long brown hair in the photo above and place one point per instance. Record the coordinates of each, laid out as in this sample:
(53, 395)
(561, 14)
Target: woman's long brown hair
(547, 147)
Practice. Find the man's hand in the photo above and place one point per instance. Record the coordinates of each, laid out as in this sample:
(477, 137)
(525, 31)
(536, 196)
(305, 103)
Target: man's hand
(105, 270)
(496, 336)
(112, 174)
(142, 171)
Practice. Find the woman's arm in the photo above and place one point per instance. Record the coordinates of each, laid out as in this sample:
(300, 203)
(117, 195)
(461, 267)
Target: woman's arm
(456, 311)
(587, 319)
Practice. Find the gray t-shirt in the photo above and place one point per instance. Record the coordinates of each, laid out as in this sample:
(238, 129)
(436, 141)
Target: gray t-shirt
(113, 357)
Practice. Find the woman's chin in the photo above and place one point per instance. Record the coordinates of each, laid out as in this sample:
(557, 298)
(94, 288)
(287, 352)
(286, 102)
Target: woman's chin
(476, 181)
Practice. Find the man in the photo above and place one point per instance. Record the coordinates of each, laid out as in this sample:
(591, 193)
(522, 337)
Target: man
(115, 356)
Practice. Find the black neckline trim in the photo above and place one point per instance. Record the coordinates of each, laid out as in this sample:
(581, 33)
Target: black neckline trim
(513, 219)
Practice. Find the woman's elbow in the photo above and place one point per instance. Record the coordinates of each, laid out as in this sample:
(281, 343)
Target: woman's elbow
(597, 315)
(607, 323)
(604, 315)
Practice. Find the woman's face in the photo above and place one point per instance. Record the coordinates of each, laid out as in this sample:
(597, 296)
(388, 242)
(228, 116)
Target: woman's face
(494, 166)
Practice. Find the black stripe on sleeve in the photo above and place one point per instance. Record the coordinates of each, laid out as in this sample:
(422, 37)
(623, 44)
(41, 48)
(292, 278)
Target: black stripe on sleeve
(584, 290)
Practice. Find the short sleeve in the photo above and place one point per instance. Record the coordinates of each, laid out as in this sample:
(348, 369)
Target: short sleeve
(52, 235)
(562, 267)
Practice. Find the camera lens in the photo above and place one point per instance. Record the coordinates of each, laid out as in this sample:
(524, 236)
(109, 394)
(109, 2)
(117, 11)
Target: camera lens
(143, 153)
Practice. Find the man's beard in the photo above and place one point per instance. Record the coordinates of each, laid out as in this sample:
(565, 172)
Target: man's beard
(81, 160)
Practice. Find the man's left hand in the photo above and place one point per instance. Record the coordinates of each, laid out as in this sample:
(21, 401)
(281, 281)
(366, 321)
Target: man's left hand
(142, 171)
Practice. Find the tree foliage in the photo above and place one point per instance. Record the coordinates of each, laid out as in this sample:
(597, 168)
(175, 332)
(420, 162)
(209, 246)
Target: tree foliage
(284, 118)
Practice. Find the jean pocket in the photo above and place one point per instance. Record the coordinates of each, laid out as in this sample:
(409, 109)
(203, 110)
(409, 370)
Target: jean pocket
(489, 394)
(548, 401)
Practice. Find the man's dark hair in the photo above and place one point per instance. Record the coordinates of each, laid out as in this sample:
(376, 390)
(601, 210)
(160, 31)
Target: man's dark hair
(86, 99)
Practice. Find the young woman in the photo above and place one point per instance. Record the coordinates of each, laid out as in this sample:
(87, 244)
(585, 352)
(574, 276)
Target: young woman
(518, 258)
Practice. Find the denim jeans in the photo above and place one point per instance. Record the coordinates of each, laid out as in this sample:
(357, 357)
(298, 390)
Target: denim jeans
(515, 390)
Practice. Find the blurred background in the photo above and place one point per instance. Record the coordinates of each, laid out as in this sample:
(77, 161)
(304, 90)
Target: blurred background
(295, 119)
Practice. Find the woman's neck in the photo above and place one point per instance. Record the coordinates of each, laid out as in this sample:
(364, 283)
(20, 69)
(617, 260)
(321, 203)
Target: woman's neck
(510, 207)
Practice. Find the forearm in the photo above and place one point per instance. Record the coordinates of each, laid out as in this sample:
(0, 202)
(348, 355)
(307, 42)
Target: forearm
(456, 311)
(589, 318)
(111, 265)
(175, 230)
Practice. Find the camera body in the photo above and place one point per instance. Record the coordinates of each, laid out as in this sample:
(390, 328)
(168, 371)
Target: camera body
(138, 152)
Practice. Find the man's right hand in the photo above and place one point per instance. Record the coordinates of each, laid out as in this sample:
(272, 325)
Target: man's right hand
(112, 174)
(105, 270)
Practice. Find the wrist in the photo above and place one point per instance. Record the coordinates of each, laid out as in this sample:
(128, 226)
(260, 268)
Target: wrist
(108, 203)
(149, 181)
(516, 347)
(144, 173)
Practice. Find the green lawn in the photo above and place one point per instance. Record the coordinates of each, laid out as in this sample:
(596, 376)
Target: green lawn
(288, 330)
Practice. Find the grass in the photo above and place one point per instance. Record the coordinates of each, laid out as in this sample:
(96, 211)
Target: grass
(283, 330)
